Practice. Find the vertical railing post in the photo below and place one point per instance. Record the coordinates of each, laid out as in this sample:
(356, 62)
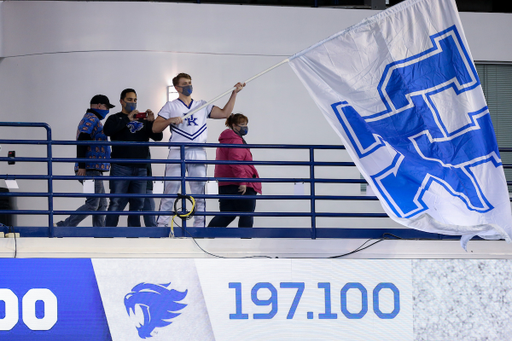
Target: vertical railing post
(50, 179)
(312, 191)
(183, 184)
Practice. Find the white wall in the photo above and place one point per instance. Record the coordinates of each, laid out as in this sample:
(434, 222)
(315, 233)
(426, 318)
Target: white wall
(57, 55)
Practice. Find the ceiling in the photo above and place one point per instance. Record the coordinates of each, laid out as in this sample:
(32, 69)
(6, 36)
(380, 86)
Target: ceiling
(500, 6)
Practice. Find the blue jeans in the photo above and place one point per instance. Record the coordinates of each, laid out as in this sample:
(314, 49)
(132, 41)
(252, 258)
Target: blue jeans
(125, 187)
(149, 205)
(234, 205)
(91, 204)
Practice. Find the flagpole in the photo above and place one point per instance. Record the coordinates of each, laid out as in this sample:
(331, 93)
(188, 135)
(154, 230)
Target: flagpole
(234, 88)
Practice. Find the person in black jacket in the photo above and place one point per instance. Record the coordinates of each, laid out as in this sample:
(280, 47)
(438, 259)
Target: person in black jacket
(129, 125)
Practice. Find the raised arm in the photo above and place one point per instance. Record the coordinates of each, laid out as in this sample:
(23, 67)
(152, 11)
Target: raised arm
(228, 108)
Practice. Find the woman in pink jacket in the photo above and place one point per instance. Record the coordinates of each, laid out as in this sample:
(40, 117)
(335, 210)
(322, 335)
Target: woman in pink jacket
(237, 125)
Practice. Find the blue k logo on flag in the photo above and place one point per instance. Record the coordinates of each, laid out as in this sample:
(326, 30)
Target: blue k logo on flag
(413, 126)
(402, 92)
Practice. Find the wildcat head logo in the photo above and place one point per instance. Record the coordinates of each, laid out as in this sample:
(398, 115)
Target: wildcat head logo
(135, 126)
(154, 306)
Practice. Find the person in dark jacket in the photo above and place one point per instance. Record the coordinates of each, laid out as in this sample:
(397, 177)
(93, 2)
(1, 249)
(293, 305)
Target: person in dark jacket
(237, 125)
(133, 126)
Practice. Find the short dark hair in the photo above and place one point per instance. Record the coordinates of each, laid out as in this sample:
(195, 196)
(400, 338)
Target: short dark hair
(236, 119)
(125, 91)
(176, 80)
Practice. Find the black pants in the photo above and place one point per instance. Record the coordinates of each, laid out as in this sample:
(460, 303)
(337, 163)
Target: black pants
(234, 205)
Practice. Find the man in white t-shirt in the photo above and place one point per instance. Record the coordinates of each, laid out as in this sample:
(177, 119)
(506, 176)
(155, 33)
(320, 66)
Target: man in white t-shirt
(192, 129)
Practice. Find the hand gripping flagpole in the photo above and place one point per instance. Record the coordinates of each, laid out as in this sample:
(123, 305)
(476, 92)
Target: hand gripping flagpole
(234, 88)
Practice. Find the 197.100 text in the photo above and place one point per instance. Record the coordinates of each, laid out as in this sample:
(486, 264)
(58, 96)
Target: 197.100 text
(327, 314)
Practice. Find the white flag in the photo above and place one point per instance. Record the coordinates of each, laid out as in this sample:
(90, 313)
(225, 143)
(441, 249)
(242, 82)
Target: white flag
(401, 90)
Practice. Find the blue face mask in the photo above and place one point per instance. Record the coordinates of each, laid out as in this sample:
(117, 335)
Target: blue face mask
(130, 106)
(187, 90)
(243, 130)
(102, 112)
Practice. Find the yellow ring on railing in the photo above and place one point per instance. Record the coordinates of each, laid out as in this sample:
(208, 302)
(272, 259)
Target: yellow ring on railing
(183, 216)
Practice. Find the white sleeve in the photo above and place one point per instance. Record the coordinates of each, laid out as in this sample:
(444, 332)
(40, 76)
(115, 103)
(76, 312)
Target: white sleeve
(209, 109)
(168, 111)
(165, 112)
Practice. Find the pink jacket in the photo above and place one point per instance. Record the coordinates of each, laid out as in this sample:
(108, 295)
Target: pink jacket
(235, 170)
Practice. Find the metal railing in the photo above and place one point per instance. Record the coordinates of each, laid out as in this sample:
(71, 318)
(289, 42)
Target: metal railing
(313, 214)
